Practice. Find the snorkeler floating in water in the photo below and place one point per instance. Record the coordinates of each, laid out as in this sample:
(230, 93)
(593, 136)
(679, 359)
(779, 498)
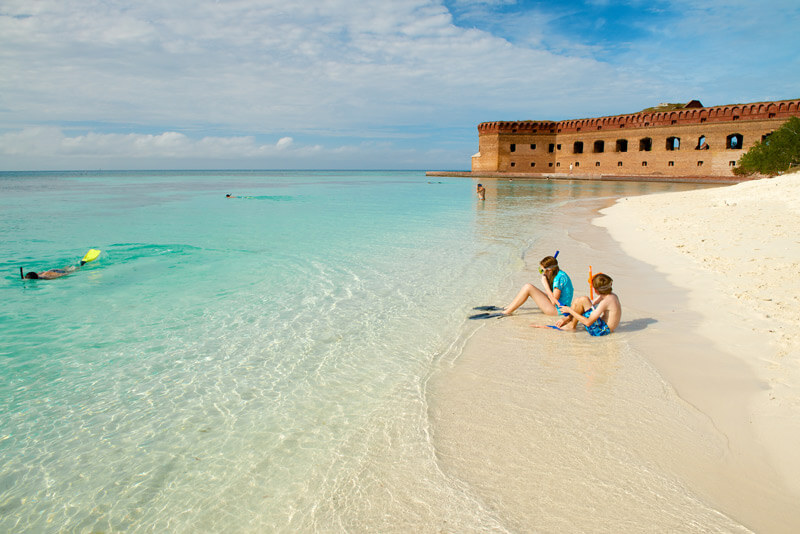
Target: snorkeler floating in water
(58, 273)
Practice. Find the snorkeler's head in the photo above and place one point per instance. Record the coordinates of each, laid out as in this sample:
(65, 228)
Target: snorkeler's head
(602, 283)
(549, 268)
(549, 262)
(32, 276)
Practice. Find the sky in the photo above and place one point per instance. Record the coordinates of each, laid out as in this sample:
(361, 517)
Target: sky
(342, 84)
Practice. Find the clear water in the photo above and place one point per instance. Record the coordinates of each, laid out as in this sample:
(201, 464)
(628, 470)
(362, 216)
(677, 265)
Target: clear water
(250, 364)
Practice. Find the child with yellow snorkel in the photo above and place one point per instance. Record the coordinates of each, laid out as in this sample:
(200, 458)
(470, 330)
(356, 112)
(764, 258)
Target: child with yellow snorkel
(557, 289)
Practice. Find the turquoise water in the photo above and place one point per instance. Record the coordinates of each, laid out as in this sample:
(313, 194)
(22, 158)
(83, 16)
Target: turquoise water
(247, 364)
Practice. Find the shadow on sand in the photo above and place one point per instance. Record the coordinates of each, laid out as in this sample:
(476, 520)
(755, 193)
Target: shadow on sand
(636, 324)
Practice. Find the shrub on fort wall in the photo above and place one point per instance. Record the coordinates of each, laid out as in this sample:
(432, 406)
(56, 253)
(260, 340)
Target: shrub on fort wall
(777, 153)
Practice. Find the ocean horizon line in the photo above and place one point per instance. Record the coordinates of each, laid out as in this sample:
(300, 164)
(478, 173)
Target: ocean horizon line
(7, 171)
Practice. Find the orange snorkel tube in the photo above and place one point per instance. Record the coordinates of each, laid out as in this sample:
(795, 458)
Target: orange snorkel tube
(591, 286)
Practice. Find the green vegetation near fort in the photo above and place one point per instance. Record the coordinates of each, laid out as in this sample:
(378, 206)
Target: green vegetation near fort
(779, 152)
(664, 107)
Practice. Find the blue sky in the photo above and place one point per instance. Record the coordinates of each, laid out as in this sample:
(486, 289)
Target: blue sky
(336, 84)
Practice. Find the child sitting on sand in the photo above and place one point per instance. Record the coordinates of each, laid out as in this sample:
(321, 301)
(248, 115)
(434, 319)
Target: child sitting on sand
(601, 316)
(557, 290)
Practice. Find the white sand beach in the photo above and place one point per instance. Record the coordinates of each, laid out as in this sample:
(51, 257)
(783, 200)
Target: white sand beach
(736, 250)
(686, 419)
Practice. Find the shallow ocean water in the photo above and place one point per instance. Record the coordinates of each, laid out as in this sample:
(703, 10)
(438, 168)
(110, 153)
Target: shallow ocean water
(250, 364)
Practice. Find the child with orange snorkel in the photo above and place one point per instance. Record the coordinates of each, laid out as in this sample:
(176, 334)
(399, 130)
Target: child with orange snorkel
(599, 315)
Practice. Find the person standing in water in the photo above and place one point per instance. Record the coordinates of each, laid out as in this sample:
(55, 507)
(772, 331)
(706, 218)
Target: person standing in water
(481, 192)
(600, 316)
(557, 290)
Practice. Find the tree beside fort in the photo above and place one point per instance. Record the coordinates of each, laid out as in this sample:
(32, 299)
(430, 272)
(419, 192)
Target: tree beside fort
(777, 153)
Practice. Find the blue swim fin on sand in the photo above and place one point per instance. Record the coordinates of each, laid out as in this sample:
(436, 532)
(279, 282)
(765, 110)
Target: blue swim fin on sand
(488, 308)
(487, 315)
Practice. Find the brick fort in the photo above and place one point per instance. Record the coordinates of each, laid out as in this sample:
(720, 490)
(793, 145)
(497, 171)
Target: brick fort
(669, 140)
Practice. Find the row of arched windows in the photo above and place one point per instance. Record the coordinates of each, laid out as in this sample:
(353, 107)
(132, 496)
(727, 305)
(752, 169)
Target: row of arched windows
(732, 142)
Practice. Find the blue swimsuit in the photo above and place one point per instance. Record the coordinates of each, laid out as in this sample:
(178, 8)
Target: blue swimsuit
(562, 282)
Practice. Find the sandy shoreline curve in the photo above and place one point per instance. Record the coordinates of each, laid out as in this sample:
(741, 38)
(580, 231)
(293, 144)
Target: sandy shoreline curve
(736, 250)
(686, 418)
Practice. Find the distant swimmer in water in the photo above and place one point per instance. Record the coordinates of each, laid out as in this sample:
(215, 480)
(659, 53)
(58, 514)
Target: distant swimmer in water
(230, 196)
(58, 273)
(600, 316)
(481, 192)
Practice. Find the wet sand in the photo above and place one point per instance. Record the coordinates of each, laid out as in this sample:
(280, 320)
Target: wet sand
(684, 420)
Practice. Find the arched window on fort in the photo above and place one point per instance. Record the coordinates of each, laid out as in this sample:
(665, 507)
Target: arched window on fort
(734, 141)
(513, 147)
(577, 148)
(673, 143)
(599, 146)
(622, 145)
(702, 144)
(645, 144)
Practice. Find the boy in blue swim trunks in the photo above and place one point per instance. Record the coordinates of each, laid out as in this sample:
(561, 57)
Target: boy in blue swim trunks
(601, 316)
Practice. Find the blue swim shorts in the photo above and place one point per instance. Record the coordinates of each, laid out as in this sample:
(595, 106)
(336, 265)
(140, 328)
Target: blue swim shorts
(597, 328)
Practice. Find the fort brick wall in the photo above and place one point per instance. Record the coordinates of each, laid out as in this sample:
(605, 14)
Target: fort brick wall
(694, 141)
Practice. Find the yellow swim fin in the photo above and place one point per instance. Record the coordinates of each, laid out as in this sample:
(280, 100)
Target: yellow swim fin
(90, 256)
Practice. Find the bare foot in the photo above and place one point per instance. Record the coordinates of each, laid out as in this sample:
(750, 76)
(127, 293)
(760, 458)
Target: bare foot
(566, 324)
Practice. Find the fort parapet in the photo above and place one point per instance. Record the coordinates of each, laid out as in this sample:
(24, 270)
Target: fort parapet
(692, 141)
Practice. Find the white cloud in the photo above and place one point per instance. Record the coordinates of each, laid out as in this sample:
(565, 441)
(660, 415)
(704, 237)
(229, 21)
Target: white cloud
(50, 148)
(216, 78)
(52, 141)
(284, 142)
(264, 66)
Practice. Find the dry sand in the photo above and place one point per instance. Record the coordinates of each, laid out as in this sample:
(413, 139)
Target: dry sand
(737, 251)
(687, 419)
